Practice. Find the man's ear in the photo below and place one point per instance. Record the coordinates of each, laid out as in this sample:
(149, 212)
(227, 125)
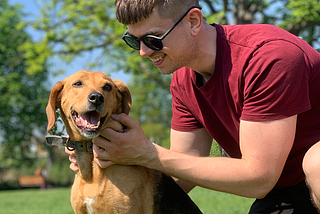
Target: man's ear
(123, 97)
(53, 104)
(195, 19)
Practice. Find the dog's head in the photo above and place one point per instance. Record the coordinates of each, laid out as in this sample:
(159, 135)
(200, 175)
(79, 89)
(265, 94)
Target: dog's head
(86, 100)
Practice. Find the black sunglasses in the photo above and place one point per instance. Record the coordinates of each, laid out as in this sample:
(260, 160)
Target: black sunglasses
(152, 42)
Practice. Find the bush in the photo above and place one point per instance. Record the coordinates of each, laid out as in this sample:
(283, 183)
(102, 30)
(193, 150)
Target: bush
(60, 174)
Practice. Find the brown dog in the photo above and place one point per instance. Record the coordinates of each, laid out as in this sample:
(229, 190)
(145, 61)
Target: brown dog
(86, 100)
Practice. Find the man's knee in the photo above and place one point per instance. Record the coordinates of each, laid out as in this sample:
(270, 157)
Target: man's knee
(311, 168)
(311, 162)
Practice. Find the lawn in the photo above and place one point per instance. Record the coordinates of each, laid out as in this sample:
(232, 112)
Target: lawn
(50, 201)
(220, 203)
(56, 201)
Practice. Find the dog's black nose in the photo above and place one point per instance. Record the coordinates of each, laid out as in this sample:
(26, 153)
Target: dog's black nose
(96, 98)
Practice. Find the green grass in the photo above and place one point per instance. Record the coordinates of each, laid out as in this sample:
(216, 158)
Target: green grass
(50, 201)
(57, 201)
(210, 201)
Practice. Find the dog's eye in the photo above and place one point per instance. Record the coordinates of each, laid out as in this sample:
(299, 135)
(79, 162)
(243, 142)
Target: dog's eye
(107, 87)
(77, 84)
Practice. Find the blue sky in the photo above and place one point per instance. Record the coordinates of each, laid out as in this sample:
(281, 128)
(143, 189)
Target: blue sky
(31, 7)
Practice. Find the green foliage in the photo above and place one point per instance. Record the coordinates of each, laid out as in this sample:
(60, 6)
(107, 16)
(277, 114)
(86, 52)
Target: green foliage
(72, 28)
(302, 18)
(157, 133)
(60, 173)
(219, 17)
(151, 105)
(22, 95)
(304, 11)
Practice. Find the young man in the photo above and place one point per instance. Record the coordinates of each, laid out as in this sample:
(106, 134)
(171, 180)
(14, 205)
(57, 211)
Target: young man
(255, 89)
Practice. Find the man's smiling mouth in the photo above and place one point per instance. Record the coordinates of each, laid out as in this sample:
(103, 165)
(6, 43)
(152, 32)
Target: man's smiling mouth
(157, 59)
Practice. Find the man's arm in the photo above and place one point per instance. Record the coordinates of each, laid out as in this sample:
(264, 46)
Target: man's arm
(196, 143)
(264, 145)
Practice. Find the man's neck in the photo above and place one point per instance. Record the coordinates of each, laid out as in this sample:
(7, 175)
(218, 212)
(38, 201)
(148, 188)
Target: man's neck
(207, 54)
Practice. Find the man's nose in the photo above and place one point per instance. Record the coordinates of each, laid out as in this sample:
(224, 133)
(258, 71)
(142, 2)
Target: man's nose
(144, 50)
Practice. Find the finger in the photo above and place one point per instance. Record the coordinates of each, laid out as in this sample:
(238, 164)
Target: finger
(74, 164)
(74, 167)
(73, 159)
(101, 141)
(103, 163)
(105, 135)
(73, 152)
(112, 135)
(101, 157)
(125, 120)
(100, 153)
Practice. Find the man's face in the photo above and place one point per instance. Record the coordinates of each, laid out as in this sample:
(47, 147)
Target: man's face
(177, 48)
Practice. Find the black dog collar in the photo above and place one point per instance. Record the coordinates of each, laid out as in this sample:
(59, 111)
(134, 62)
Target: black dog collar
(55, 140)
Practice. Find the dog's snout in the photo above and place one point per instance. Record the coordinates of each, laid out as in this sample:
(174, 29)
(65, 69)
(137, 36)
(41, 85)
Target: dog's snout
(95, 98)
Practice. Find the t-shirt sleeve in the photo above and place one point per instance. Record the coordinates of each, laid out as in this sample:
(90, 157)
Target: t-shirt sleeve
(276, 82)
(182, 117)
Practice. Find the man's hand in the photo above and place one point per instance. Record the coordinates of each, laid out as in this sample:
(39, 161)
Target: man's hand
(129, 148)
(73, 159)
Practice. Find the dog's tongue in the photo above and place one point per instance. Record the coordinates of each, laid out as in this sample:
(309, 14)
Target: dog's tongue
(89, 120)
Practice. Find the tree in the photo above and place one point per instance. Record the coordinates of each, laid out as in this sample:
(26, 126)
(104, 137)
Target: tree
(74, 27)
(151, 105)
(22, 95)
(303, 19)
(299, 17)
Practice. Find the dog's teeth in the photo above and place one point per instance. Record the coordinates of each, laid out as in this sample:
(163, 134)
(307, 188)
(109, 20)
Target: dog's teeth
(91, 126)
(88, 125)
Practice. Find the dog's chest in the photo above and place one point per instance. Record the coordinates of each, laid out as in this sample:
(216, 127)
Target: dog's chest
(118, 189)
(89, 202)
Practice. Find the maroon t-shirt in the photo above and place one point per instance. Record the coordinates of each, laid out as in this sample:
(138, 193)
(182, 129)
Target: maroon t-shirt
(262, 73)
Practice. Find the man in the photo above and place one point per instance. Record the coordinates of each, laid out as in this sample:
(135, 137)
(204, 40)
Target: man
(255, 89)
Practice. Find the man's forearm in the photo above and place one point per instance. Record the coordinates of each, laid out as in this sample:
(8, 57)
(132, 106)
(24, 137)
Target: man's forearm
(230, 175)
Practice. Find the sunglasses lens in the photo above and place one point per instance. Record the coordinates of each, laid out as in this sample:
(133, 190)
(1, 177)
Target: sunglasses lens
(149, 41)
(153, 43)
(135, 44)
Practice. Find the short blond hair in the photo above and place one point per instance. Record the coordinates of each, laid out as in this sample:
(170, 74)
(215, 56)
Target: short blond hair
(132, 11)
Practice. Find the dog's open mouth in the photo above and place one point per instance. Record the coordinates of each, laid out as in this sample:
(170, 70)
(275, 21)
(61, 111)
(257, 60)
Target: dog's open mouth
(89, 122)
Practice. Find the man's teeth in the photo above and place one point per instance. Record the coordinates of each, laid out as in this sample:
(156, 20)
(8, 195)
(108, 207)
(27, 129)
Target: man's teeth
(157, 59)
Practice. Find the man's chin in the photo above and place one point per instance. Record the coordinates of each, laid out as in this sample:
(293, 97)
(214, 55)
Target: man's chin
(166, 71)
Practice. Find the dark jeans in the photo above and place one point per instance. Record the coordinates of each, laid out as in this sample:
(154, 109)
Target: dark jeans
(289, 200)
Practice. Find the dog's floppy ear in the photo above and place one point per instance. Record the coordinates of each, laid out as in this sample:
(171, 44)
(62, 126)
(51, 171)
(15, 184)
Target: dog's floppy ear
(52, 104)
(123, 97)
